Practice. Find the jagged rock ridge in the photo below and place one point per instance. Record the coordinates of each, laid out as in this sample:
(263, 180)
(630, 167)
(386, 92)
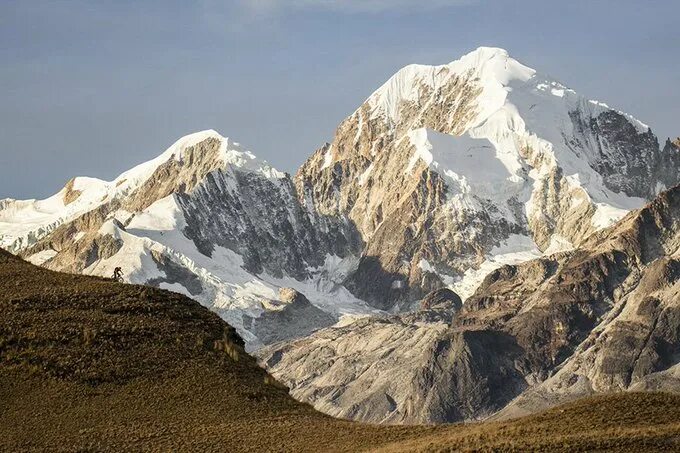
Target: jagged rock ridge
(604, 317)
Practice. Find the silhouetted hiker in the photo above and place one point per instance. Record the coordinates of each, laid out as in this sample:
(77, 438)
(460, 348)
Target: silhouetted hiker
(118, 274)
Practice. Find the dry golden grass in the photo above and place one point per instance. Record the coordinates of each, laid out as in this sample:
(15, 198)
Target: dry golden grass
(89, 364)
(620, 422)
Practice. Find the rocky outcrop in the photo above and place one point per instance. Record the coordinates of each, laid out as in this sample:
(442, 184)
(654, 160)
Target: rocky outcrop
(173, 274)
(375, 369)
(292, 316)
(602, 318)
(599, 319)
(618, 144)
(261, 220)
(441, 299)
(620, 297)
(667, 166)
(70, 194)
(405, 369)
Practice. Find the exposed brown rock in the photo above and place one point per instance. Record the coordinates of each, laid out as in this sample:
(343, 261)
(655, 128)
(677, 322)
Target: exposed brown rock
(441, 299)
(292, 296)
(70, 195)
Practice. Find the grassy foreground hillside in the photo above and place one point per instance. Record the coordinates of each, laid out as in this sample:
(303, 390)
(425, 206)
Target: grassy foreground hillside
(88, 364)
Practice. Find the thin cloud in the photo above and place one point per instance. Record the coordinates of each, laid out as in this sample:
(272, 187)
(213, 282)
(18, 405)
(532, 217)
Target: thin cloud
(352, 6)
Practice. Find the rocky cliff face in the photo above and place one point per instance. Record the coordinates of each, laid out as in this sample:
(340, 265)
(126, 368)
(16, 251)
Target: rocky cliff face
(604, 317)
(619, 300)
(444, 166)
(292, 315)
(383, 370)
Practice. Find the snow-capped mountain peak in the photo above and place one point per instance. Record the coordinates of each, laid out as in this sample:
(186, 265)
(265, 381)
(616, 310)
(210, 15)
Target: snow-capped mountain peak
(479, 155)
(493, 68)
(24, 222)
(229, 152)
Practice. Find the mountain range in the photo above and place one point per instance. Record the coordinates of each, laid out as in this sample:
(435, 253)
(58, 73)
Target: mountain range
(602, 318)
(526, 200)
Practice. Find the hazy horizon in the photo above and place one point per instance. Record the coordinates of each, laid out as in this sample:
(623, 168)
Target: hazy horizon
(94, 89)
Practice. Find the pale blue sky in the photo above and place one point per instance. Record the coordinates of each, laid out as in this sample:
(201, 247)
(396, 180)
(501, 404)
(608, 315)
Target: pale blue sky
(95, 87)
